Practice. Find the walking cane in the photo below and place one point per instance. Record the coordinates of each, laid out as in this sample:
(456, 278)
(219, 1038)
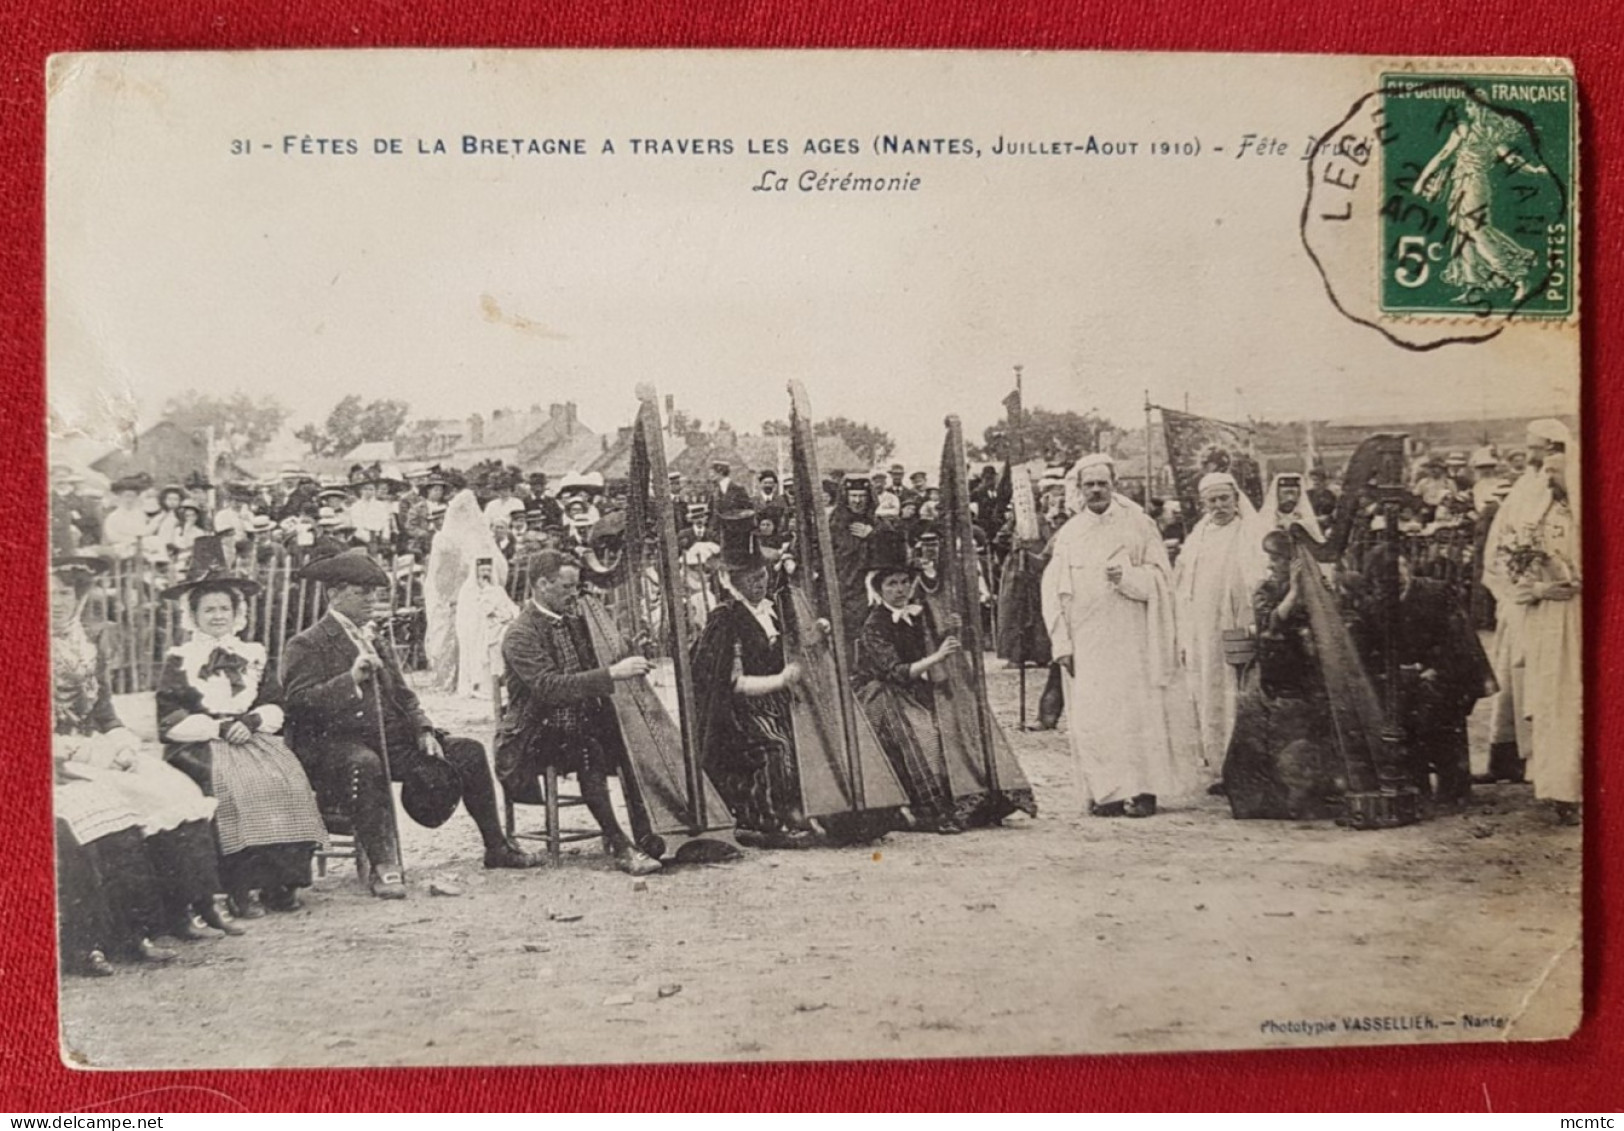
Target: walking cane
(1021, 665)
(388, 778)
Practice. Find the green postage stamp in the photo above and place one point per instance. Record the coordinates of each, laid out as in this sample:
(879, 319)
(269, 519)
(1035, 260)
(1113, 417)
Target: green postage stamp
(1478, 195)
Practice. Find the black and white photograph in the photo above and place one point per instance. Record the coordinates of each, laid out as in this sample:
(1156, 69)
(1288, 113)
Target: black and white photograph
(570, 557)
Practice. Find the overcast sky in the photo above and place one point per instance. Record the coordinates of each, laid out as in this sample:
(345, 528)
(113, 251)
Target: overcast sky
(462, 284)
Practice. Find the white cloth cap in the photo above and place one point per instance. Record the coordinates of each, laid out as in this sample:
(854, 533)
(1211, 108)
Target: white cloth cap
(1217, 479)
(1551, 431)
(1094, 459)
(591, 481)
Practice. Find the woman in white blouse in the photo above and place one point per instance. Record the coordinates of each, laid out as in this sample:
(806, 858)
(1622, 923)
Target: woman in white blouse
(219, 715)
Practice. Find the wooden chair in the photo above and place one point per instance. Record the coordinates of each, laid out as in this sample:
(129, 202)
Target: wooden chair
(553, 799)
(342, 844)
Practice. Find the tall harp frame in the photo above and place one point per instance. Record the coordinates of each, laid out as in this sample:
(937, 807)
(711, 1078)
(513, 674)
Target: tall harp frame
(960, 575)
(820, 577)
(674, 795)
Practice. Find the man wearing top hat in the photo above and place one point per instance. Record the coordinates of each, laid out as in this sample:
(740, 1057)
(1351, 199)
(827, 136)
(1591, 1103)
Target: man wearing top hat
(350, 712)
(770, 498)
(726, 497)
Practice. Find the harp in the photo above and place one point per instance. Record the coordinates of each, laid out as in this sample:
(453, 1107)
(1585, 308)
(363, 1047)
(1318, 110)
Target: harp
(670, 787)
(977, 752)
(1365, 729)
(838, 757)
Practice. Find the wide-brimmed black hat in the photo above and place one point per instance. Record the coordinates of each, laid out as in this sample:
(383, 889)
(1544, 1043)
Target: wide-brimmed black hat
(208, 567)
(78, 563)
(138, 482)
(352, 567)
(887, 552)
(740, 548)
(430, 791)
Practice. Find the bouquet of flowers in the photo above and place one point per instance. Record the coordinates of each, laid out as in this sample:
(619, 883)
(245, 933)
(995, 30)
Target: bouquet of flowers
(1523, 554)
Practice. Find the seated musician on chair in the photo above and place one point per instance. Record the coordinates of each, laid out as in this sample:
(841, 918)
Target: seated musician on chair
(350, 712)
(558, 709)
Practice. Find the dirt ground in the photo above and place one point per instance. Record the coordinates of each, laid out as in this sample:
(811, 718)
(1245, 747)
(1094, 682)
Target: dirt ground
(1067, 934)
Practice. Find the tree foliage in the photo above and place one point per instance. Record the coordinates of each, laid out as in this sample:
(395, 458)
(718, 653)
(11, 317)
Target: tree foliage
(353, 422)
(871, 443)
(1059, 437)
(241, 424)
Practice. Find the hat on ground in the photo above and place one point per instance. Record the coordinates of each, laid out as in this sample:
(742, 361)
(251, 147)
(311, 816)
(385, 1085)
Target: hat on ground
(430, 791)
(740, 550)
(208, 567)
(352, 567)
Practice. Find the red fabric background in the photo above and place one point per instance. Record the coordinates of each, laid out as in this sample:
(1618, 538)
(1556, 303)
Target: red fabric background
(1586, 1073)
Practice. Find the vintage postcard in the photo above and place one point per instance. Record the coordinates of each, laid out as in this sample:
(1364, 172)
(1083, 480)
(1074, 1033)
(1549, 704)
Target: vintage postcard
(601, 557)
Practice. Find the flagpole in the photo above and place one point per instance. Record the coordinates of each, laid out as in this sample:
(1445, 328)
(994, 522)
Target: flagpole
(1018, 424)
(1148, 461)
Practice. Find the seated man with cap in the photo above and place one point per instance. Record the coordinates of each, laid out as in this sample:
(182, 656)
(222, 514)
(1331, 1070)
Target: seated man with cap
(558, 710)
(349, 709)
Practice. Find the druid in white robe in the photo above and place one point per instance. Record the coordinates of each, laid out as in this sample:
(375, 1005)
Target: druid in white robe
(1553, 685)
(1516, 521)
(483, 613)
(1120, 638)
(1219, 569)
(463, 539)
